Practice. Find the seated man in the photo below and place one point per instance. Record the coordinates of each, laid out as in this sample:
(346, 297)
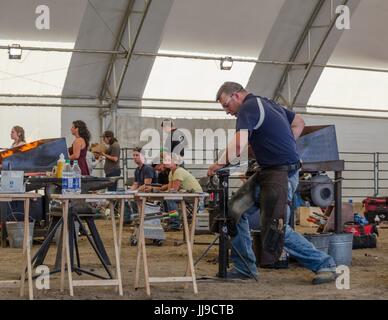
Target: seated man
(144, 173)
(144, 176)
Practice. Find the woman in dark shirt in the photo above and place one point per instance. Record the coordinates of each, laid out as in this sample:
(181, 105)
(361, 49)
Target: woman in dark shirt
(112, 157)
(80, 145)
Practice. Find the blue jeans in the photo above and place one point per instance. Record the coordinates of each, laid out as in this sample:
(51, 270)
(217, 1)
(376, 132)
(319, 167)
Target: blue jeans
(295, 244)
(173, 222)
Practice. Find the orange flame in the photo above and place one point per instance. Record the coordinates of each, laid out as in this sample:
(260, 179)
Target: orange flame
(26, 147)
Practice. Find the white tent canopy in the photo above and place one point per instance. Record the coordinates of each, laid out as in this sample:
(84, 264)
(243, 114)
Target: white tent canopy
(169, 56)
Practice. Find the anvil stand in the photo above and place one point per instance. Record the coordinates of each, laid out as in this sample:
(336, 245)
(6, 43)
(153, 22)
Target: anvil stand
(223, 236)
(96, 244)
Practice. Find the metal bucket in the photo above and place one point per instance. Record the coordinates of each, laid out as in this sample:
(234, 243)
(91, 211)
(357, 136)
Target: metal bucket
(320, 241)
(15, 231)
(340, 248)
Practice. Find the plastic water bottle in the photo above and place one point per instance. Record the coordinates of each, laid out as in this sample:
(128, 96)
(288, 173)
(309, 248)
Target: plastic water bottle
(67, 178)
(76, 177)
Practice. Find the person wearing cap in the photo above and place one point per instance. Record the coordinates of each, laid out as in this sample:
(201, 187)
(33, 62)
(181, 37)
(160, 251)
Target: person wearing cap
(112, 157)
(174, 140)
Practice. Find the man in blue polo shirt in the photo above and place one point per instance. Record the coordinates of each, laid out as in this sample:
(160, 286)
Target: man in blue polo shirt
(271, 131)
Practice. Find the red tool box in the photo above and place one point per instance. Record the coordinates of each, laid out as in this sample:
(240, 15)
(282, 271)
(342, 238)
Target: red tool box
(376, 209)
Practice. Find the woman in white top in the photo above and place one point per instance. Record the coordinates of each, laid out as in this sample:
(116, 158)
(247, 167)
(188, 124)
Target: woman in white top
(17, 135)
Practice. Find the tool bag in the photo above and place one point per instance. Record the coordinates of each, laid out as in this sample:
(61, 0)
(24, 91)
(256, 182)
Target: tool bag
(364, 236)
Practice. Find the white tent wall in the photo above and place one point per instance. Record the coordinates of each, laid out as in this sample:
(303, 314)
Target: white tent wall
(38, 123)
(353, 134)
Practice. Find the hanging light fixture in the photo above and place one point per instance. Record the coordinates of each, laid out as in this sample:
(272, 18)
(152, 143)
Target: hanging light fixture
(226, 63)
(14, 51)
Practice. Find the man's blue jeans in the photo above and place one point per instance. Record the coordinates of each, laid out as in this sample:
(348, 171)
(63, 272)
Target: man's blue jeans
(295, 244)
(174, 222)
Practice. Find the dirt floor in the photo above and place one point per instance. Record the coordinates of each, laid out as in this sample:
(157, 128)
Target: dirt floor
(368, 274)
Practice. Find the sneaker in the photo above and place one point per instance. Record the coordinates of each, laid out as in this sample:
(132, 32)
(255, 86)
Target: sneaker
(324, 277)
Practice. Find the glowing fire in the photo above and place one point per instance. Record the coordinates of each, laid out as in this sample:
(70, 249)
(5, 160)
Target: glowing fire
(26, 147)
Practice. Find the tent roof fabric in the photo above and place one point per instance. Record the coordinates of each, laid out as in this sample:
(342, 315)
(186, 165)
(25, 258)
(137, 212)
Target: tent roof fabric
(251, 29)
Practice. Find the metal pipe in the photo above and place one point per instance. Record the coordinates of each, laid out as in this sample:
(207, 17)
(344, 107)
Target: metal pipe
(335, 66)
(257, 61)
(298, 47)
(21, 104)
(166, 100)
(342, 108)
(315, 56)
(166, 108)
(210, 109)
(131, 49)
(341, 115)
(216, 58)
(119, 38)
(202, 57)
(26, 48)
(27, 104)
(52, 96)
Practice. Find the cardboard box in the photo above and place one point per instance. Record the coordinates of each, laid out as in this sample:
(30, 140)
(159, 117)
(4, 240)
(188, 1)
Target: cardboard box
(304, 213)
(98, 148)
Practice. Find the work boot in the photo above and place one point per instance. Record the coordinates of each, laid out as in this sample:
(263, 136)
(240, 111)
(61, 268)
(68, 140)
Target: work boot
(324, 277)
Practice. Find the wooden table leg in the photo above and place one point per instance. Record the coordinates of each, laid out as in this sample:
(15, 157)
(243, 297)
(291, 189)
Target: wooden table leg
(28, 246)
(24, 254)
(192, 233)
(116, 247)
(66, 249)
(139, 239)
(121, 223)
(143, 245)
(23, 271)
(189, 246)
(142, 251)
(63, 249)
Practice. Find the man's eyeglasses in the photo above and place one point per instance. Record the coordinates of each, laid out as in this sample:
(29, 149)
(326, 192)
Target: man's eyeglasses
(227, 102)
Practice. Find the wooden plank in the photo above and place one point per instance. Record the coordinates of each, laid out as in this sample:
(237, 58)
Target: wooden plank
(21, 196)
(27, 244)
(94, 196)
(143, 246)
(192, 234)
(189, 248)
(9, 283)
(116, 247)
(170, 279)
(171, 194)
(94, 283)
